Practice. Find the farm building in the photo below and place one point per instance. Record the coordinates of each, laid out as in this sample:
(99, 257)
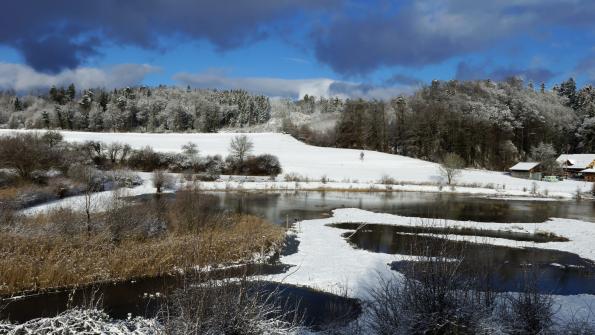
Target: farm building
(526, 170)
(589, 174)
(574, 164)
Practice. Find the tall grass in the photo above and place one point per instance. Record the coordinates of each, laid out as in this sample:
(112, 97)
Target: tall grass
(53, 249)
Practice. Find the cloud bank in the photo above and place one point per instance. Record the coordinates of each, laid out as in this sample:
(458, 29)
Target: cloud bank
(469, 71)
(23, 78)
(421, 32)
(290, 88)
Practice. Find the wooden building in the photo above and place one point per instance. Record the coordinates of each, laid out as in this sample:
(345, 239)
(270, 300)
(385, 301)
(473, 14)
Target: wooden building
(589, 174)
(526, 170)
(574, 164)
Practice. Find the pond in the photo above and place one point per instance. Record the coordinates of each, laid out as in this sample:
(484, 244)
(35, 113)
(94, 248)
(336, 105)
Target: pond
(554, 272)
(280, 207)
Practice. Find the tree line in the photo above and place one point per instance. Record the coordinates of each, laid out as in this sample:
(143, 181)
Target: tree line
(134, 109)
(488, 124)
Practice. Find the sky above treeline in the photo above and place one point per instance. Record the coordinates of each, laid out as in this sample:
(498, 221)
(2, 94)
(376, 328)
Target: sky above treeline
(288, 48)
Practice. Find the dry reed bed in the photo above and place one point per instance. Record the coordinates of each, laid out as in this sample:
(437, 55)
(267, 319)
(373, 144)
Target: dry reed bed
(37, 263)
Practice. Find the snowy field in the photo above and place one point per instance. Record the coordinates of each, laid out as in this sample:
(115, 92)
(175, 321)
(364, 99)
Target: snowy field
(339, 165)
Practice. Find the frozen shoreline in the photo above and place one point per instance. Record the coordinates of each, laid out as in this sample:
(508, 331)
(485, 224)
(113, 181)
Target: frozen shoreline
(326, 261)
(262, 184)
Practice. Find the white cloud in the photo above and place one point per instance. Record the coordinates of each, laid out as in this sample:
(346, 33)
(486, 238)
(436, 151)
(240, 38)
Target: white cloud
(292, 88)
(23, 78)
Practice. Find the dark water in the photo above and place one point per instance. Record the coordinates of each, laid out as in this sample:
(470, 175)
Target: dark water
(555, 271)
(147, 296)
(292, 206)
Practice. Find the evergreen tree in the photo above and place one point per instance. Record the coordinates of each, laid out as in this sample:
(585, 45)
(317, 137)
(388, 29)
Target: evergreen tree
(71, 92)
(568, 89)
(45, 117)
(103, 100)
(18, 106)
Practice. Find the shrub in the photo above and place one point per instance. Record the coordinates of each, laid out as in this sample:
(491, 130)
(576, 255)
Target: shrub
(292, 176)
(534, 188)
(578, 195)
(225, 307)
(205, 176)
(162, 180)
(527, 312)
(387, 180)
(7, 178)
(148, 160)
(263, 165)
(212, 165)
(124, 178)
(145, 159)
(27, 153)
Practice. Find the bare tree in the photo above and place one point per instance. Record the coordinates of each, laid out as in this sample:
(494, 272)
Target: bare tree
(240, 148)
(89, 178)
(451, 167)
(161, 180)
(113, 150)
(190, 149)
(117, 152)
(52, 137)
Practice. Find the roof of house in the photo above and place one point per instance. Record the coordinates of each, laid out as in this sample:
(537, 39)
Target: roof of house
(591, 170)
(524, 166)
(577, 161)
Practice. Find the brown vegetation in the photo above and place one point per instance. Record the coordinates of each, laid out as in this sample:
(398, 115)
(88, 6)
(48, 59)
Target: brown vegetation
(127, 241)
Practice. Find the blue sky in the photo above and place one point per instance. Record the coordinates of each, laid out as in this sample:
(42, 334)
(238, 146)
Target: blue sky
(289, 48)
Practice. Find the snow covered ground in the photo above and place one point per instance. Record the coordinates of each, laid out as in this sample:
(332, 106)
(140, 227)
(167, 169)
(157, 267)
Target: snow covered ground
(99, 200)
(339, 165)
(344, 268)
(327, 262)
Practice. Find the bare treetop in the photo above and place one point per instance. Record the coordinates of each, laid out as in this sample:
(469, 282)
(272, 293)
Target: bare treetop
(240, 148)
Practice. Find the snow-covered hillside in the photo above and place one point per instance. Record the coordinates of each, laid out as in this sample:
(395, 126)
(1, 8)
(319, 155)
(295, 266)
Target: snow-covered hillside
(336, 164)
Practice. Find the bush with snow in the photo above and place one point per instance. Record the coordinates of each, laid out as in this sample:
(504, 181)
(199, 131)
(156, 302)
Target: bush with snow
(83, 321)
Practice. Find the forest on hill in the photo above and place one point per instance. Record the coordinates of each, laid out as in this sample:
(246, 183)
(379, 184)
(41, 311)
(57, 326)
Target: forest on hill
(489, 124)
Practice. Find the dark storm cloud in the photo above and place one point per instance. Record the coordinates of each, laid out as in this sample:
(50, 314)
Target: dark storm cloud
(53, 35)
(55, 53)
(467, 71)
(424, 32)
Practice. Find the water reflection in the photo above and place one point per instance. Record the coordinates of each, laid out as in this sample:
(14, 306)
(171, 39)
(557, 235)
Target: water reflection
(283, 207)
(557, 272)
(146, 297)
